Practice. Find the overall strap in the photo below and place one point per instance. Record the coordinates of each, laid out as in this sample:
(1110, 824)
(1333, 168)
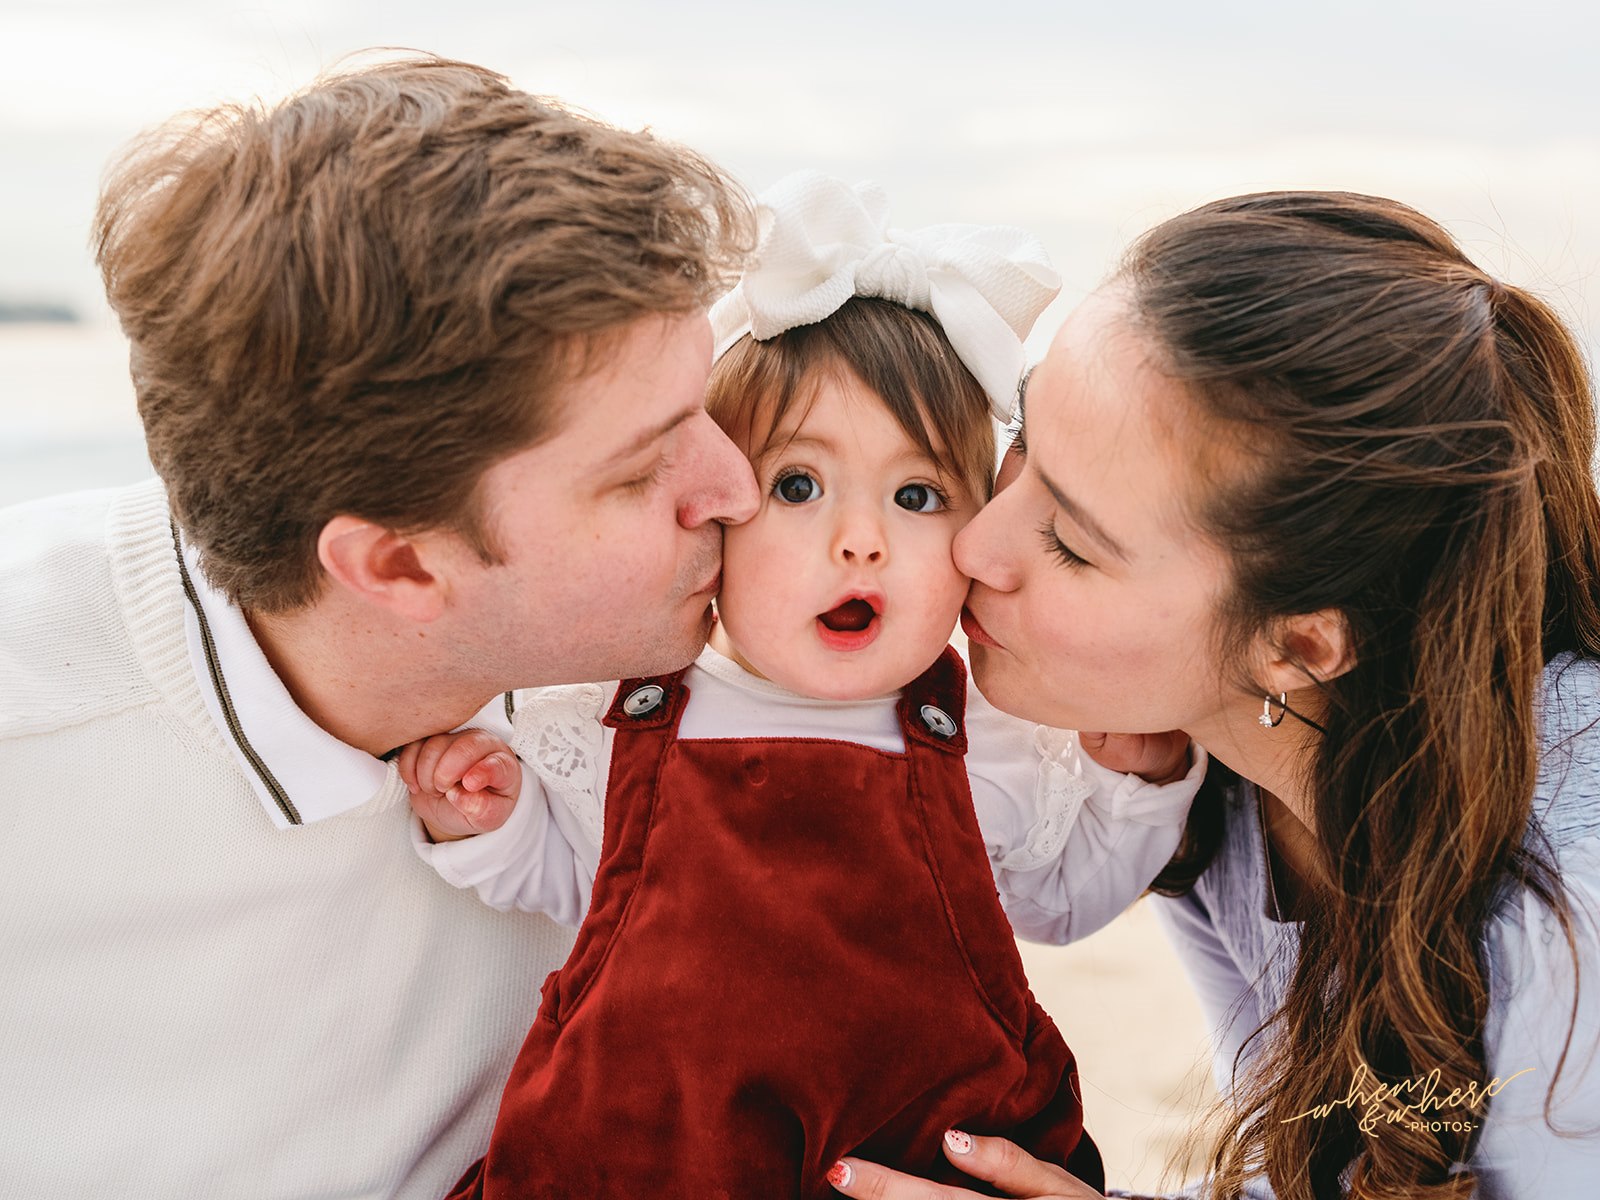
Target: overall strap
(645, 714)
(933, 706)
(650, 702)
(933, 714)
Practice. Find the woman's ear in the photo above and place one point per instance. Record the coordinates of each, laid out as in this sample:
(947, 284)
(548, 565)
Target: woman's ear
(380, 567)
(1316, 644)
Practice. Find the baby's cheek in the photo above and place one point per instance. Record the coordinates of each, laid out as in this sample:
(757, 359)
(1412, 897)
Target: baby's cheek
(947, 584)
(941, 599)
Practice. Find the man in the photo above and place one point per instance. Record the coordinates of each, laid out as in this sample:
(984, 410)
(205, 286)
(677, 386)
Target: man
(420, 361)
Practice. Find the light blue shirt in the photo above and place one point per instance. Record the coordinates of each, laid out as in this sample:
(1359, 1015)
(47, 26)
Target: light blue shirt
(1240, 960)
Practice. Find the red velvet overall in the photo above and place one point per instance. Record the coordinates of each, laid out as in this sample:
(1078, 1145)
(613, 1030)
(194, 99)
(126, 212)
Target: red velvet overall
(794, 952)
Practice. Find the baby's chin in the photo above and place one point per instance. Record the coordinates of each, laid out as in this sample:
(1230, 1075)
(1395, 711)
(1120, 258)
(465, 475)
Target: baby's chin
(822, 679)
(842, 690)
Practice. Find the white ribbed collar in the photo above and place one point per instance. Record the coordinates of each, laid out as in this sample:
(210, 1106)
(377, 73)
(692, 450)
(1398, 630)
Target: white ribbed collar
(301, 772)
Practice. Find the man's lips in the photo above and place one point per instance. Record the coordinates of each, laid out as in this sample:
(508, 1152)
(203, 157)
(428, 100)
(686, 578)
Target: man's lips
(712, 588)
(976, 632)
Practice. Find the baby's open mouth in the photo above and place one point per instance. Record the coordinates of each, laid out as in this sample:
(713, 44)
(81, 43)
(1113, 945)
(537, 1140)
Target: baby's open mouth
(850, 617)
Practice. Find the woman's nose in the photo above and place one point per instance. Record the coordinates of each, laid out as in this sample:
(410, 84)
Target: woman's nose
(985, 550)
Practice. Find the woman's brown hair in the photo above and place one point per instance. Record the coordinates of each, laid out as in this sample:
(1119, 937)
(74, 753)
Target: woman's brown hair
(358, 300)
(902, 356)
(1407, 442)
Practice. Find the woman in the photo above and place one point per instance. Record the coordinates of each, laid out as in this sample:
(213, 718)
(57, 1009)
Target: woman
(1304, 482)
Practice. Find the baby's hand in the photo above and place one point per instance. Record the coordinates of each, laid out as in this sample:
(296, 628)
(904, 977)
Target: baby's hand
(1156, 757)
(462, 784)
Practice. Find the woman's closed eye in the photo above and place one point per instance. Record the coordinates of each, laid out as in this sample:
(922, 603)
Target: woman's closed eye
(1065, 554)
(795, 486)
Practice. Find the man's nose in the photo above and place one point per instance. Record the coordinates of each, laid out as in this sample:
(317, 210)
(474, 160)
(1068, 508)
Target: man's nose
(722, 487)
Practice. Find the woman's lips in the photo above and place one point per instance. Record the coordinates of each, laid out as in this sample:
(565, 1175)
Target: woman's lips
(976, 632)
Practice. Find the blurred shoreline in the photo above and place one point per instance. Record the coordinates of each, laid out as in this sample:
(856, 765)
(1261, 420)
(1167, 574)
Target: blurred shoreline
(1125, 1007)
(67, 415)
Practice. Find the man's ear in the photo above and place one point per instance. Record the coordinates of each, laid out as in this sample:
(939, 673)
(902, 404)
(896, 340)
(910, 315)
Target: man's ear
(1316, 643)
(380, 567)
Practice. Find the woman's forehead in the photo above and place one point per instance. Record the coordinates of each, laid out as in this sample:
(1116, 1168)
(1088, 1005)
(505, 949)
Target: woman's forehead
(1103, 422)
(1097, 382)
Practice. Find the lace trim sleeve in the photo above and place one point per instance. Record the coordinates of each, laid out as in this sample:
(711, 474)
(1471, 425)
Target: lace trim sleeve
(559, 735)
(1060, 790)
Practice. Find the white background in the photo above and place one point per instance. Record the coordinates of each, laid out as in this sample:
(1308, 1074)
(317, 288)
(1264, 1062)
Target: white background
(1082, 122)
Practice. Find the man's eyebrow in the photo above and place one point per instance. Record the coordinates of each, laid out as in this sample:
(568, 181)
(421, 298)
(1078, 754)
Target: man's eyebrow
(1083, 520)
(656, 432)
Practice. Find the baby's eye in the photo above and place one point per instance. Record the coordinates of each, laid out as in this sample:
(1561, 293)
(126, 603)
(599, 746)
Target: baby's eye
(919, 497)
(796, 488)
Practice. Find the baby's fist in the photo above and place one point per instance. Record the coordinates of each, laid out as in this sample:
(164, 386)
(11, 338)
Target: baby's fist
(462, 784)
(1155, 757)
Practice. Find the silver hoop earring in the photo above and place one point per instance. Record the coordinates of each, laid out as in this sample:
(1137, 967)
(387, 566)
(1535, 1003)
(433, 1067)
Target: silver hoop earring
(1266, 719)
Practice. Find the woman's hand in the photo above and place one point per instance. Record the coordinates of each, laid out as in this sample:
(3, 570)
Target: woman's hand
(994, 1160)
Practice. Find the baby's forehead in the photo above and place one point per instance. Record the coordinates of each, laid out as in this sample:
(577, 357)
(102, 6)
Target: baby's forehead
(887, 438)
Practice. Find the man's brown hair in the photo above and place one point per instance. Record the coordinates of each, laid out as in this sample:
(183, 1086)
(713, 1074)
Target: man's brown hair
(359, 299)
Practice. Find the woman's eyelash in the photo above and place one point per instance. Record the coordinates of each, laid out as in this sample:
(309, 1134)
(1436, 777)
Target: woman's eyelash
(1059, 549)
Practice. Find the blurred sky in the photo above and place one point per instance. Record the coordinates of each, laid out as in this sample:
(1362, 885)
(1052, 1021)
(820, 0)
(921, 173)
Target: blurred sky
(1085, 122)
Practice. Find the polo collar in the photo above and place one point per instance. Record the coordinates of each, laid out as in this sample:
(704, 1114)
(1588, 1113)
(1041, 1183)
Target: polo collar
(300, 772)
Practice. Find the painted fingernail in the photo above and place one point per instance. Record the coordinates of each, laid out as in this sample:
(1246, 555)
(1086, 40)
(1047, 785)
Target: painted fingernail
(959, 1143)
(840, 1175)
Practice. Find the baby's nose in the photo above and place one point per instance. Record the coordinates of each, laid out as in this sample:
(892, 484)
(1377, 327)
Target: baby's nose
(860, 539)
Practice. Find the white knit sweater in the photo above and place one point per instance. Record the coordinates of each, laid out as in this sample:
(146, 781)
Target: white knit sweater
(197, 1003)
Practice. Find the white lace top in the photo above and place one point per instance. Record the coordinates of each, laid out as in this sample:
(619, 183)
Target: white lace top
(1071, 843)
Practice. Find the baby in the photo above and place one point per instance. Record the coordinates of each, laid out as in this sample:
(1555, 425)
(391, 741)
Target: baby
(794, 948)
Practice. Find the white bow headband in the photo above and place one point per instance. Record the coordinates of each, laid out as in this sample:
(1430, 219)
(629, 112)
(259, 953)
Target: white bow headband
(822, 242)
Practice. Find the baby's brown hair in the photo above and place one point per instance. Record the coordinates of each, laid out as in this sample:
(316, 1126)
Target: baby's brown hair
(902, 356)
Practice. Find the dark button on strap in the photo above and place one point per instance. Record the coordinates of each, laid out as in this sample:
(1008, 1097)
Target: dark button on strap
(938, 721)
(643, 701)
